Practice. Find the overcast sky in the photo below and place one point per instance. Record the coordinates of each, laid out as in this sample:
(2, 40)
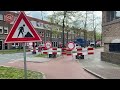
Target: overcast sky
(37, 14)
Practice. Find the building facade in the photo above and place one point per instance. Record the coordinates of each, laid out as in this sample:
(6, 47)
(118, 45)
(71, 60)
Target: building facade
(111, 36)
(47, 31)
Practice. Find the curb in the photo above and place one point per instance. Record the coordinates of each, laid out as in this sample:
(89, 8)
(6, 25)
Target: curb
(44, 76)
(93, 73)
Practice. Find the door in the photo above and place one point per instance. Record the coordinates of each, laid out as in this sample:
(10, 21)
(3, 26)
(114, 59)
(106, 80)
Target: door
(6, 46)
(0, 45)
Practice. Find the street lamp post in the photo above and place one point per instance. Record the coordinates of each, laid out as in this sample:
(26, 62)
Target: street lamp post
(3, 13)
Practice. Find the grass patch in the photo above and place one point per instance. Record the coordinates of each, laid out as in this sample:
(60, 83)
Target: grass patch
(99, 47)
(41, 55)
(14, 73)
(11, 51)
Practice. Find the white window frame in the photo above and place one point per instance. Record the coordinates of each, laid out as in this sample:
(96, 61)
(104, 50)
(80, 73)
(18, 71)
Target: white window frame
(6, 28)
(1, 17)
(1, 27)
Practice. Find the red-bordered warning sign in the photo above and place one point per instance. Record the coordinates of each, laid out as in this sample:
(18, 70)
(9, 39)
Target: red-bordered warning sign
(71, 45)
(48, 45)
(22, 31)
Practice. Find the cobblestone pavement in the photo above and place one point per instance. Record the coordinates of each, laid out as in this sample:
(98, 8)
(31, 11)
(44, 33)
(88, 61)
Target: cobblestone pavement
(59, 68)
(102, 68)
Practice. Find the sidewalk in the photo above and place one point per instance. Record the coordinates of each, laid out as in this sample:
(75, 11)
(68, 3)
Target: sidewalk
(59, 68)
(33, 59)
(102, 68)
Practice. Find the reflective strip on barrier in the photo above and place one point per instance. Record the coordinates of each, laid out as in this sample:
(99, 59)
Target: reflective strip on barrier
(64, 49)
(54, 51)
(69, 52)
(90, 50)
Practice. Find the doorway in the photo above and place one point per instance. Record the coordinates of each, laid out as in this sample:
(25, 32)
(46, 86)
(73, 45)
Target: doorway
(0, 45)
(6, 46)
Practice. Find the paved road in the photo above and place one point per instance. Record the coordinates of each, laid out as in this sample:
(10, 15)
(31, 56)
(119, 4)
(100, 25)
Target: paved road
(102, 68)
(4, 58)
(59, 68)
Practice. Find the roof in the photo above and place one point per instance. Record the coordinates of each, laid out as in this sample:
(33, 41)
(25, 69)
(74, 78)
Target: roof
(32, 18)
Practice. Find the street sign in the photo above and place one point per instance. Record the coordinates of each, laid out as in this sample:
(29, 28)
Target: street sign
(48, 45)
(9, 18)
(71, 45)
(22, 31)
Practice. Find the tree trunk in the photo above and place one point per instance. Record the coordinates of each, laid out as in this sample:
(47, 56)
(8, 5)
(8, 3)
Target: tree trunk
(95, 37)
(85, 32)
(64, 28)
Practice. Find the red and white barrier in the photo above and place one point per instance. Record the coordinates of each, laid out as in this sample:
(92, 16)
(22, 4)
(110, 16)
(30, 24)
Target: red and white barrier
(90, 50)
(63, 51)
(69, 52)
(79, 51)
(45, 51)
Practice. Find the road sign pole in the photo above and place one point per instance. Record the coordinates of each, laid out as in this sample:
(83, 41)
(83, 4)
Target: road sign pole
(25, 66)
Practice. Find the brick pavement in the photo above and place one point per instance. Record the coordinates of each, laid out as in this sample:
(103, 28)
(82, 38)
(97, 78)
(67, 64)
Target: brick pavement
(59, 68)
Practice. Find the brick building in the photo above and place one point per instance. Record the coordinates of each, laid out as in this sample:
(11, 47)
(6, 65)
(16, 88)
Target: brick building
(48, 31)
(111, 36)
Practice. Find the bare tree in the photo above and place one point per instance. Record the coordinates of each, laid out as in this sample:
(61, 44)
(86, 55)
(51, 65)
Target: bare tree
(95, 24)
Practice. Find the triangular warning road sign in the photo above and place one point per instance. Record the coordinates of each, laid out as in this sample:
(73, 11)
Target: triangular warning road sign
(22, 31)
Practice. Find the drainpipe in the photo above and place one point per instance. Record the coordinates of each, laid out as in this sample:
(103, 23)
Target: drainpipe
(3, 28)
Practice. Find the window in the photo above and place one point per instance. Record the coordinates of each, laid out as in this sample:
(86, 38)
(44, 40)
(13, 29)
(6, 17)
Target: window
(37, 24)
(111, 15)
(54, 44)
(59, 36)
(46, 34)
(1, 30)
(49, 27)
(55, 35)
(117, 14)
(1, 17)
(33, 23)
(16, 44)
(13, 20)
(49, 34)
(42, 34)
(114, 47)
(45, 26)
(5, 30)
